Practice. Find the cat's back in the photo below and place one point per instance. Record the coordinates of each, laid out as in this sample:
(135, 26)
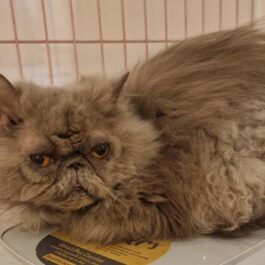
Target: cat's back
(222, 72)
(207, 96)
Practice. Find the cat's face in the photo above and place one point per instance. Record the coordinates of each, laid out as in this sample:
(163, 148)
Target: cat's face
(69, 148)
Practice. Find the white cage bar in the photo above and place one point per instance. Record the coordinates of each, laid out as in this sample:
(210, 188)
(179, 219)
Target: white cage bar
(113, 35)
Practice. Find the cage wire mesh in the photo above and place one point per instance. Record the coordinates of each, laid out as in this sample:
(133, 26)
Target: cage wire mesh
(53, 42)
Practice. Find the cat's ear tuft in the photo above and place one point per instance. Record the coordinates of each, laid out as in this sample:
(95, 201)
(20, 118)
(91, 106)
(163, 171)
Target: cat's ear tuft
(152, 198)
(9, 106)
(119, 85)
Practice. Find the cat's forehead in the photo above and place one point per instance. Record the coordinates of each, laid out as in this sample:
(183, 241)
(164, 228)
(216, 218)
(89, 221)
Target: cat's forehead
(34, 140)
(71, 105)
(63, 120)
(56, 108)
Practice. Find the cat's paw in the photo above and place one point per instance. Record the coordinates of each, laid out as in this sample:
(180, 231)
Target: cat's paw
(32, 221)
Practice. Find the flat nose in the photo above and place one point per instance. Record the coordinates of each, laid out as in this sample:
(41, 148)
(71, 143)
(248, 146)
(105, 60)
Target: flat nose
(76, 165)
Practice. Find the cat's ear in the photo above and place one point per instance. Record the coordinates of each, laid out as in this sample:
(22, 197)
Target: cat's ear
(152, 197)
(9, 106)
(118, 85)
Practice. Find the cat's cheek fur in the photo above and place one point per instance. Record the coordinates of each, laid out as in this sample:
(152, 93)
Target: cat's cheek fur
(140, 141)
(11, 180)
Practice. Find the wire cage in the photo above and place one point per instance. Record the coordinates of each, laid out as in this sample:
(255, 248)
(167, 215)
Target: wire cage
(53, 42)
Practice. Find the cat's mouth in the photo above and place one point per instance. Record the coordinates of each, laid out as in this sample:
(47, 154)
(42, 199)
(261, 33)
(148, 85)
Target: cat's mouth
(80, 191)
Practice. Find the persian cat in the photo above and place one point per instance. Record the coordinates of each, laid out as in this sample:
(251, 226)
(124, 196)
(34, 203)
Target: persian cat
(175, 148)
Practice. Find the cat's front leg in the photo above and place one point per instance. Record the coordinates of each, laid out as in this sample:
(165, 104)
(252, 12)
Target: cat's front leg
(37, 219)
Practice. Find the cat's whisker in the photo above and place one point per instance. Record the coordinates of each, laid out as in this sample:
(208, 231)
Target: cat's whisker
(115, 198)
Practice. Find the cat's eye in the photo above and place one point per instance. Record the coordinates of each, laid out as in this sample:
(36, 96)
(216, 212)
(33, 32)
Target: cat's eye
(41, 159)
(100, 150)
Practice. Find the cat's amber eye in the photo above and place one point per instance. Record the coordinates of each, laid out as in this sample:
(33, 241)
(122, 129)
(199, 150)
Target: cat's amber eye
(100, 150)
(41, 159)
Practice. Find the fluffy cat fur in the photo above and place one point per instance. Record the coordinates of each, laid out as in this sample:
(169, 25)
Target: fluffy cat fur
(186, 131)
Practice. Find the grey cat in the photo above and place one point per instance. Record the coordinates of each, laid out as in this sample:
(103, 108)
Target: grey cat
(173, 149)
